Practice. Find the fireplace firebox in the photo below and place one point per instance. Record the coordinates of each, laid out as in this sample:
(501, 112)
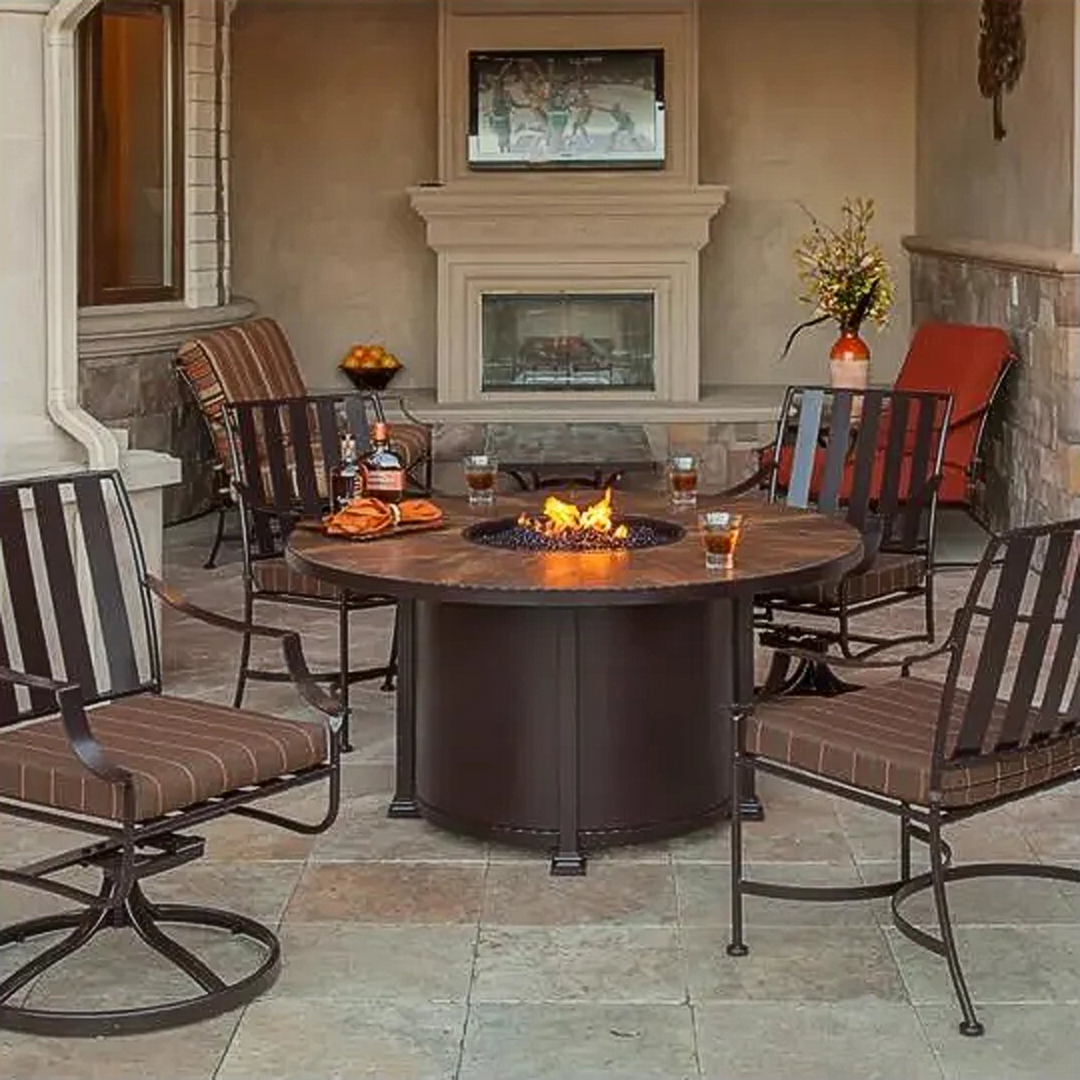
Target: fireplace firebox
(568, 341)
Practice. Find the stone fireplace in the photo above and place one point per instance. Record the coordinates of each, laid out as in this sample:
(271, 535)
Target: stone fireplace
(569, 284)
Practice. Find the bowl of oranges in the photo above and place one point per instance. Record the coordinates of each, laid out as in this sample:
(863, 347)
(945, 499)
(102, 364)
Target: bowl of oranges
(370, 367)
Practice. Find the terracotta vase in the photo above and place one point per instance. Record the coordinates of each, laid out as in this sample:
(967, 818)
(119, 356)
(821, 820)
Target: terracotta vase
(849, 366)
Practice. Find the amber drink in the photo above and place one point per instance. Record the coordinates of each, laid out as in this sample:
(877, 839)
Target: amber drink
(720, 533)
(481, 474)
(683, 480)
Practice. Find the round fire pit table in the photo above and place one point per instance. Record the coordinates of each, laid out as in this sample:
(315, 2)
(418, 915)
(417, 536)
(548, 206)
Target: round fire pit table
(573, 700)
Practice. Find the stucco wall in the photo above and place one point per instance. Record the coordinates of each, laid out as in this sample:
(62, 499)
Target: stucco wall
(802, 101)
(335, 109)
(1016, 191)
(335, 114)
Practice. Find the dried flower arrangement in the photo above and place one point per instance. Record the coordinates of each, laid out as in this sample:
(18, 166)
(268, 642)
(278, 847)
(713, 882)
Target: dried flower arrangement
(844, 275)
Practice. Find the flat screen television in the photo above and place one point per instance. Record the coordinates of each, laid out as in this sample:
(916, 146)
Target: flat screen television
(567, 109)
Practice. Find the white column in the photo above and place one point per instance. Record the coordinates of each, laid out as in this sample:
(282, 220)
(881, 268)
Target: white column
(29, 440)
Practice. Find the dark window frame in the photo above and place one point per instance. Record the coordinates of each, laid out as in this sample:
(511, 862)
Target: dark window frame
(92, 292)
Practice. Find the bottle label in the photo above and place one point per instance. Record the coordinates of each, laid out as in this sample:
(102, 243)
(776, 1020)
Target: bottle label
(385, 480)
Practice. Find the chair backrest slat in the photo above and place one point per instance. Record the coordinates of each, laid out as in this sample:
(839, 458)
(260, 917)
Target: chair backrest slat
(9, 703)
(995, 650)
(71, 588)
(301, 440)
(107, 585)
(933, 415)
(1049, 713)
(29, 627)
(839, 442)
(806, 445)
(63, 587)
(891, 491)
(326, 412)
(281, 494)
(866, 449)
(1036, 642)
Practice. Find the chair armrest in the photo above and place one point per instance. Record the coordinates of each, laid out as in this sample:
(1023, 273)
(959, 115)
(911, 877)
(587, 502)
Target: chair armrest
(69, 700)
(295, 660)
(751, 483)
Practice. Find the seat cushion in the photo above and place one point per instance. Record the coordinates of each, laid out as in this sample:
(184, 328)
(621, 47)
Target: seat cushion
(180, 752)
(276, 576)
(881, 739)
(891, 572)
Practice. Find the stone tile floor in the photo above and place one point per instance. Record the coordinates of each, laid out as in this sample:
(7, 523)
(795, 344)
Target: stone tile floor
(411, 954)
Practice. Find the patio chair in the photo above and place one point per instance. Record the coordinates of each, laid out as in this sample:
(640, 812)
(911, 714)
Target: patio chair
(875, 457)
(90, 744)
(283, 455)
(971, 363)
(253, 361)
(934, 754)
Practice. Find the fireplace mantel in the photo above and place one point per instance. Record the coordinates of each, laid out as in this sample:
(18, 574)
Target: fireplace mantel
(594, 239)
(464, 215)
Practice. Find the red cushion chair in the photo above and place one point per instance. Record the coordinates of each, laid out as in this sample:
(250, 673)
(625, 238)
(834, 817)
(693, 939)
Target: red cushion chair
(969, 362)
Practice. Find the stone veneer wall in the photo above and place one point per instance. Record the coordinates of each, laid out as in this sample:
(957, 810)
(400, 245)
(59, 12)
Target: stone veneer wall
(726, 450)
(1033, 448)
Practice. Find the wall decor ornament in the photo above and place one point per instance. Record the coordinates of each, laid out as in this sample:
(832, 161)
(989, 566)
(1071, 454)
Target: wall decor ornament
(1002, 52)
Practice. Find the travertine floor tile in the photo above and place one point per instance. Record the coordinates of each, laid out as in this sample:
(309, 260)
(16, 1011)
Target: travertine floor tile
(293, 1039)
(1022, 1042)
(346, 961)
(1006, 964)
(594, 964)
(856, 1040)
(804, 964)
(615, 893)
(580, 1041)
(388, 893)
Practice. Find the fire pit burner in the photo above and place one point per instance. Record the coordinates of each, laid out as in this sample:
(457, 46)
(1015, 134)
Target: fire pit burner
(510, 533)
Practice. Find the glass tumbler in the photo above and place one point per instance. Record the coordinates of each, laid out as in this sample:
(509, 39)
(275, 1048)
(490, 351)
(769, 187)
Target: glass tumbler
(720, 533)
(481, 473)
(683, 480)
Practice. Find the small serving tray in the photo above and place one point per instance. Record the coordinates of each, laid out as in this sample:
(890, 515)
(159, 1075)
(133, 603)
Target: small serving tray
(364, 538)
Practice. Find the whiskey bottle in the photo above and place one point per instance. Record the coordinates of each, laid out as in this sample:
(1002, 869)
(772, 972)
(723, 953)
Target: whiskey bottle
(384, 475)
(345, 477)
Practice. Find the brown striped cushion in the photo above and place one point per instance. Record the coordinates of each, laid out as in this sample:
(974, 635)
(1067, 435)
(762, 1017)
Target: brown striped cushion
(276, 576)
(881, 739)
(180, 753)
(251, 361)
(890, 572)
(412, 443)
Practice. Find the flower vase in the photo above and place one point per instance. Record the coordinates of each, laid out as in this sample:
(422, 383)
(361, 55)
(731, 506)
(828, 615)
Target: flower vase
(849, 366)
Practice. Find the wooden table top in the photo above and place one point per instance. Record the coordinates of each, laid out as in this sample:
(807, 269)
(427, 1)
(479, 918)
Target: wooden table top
(779, 548)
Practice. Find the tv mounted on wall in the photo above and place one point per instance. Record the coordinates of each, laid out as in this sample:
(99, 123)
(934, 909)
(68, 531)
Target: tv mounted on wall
(567, 109)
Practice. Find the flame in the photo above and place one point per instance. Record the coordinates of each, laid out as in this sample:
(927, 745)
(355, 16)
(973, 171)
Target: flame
(562, 518)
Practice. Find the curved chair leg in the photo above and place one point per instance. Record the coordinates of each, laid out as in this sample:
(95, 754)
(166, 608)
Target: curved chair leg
(245, 650)
(970, 1025)
(216, 995)
(219, 536)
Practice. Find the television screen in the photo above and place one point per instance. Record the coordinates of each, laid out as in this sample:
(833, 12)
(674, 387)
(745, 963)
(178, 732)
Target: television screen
(567, 109)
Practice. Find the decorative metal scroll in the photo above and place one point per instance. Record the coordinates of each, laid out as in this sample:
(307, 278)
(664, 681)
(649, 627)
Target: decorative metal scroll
(1002, 51)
